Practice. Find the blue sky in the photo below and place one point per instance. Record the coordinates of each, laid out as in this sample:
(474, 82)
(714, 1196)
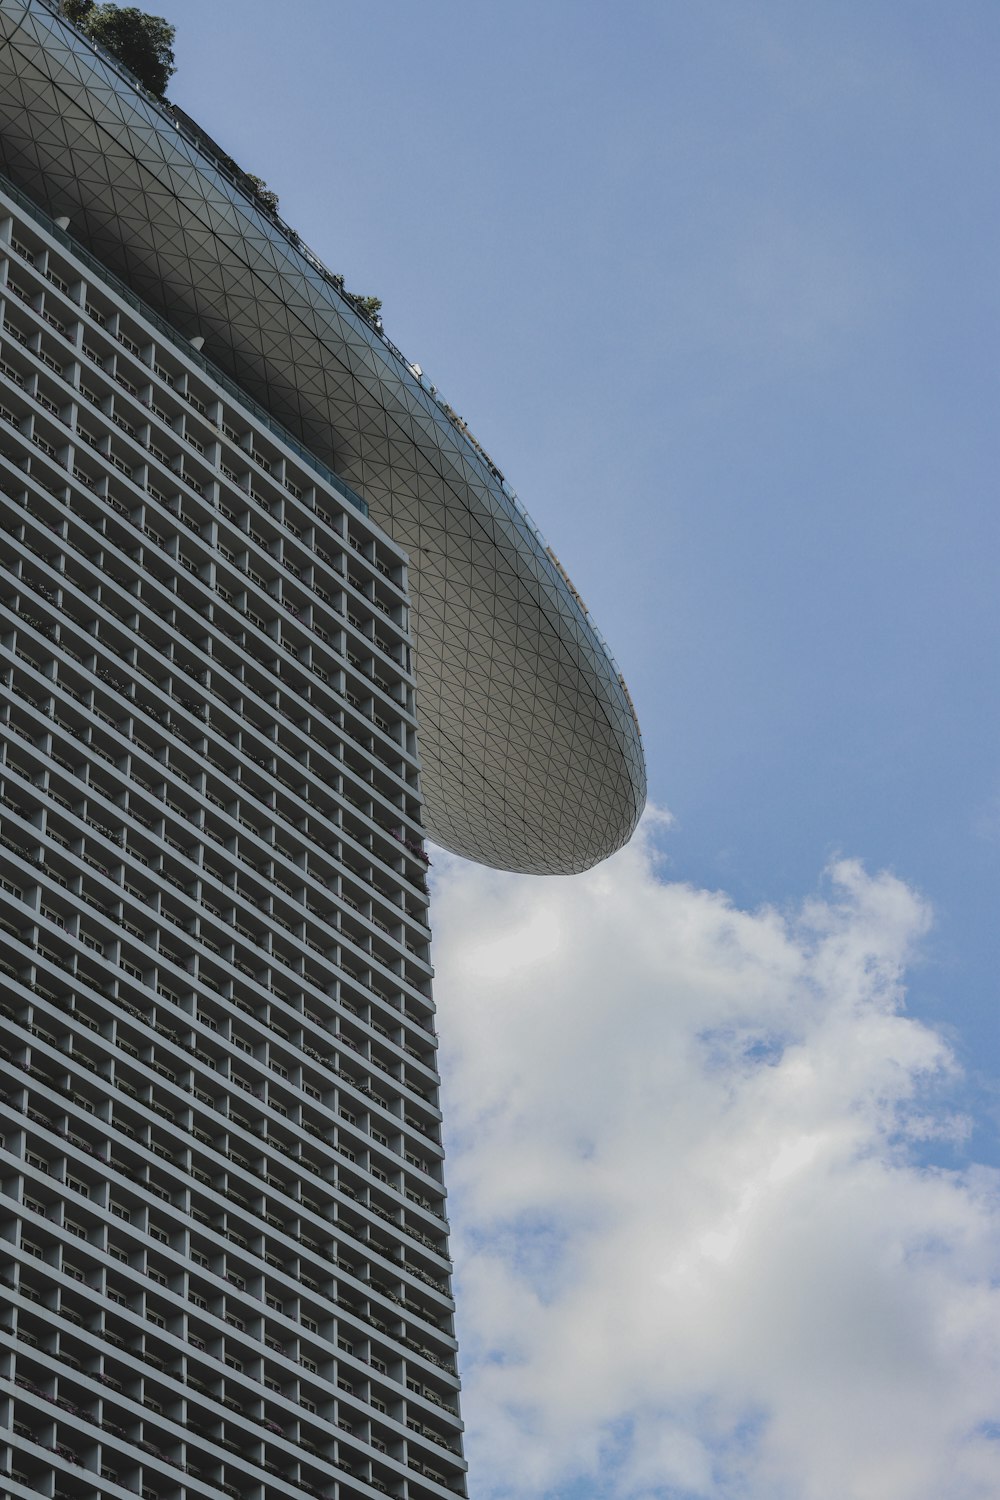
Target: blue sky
(716, 286)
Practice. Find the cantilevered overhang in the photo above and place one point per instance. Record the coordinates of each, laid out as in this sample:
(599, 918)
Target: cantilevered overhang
(530, 747)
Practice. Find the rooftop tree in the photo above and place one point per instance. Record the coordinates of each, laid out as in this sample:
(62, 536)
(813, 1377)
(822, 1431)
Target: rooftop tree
(143, 43)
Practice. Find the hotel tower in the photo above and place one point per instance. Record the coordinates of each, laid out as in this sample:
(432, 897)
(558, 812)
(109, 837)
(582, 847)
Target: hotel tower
(270, 618)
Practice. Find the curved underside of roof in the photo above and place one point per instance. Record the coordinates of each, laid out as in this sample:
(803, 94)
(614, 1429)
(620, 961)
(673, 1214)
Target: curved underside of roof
(530, 748)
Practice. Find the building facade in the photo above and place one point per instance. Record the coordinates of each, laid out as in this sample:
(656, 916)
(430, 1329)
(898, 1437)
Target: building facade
(223, 1241)
(225, 1213)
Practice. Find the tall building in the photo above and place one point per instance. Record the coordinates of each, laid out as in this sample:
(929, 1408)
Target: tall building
(269, 615)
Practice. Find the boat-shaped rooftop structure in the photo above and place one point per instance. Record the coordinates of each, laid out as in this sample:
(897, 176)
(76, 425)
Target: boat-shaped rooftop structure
(531, 754)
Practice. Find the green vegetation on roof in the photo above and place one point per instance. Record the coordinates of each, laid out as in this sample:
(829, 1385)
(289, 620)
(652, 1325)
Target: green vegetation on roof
(142, 43)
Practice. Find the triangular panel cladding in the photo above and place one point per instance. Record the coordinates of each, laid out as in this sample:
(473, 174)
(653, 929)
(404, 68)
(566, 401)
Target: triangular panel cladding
(529, 674)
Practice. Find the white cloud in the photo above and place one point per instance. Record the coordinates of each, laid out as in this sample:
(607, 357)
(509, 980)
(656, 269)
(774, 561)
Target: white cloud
(697, 1254)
